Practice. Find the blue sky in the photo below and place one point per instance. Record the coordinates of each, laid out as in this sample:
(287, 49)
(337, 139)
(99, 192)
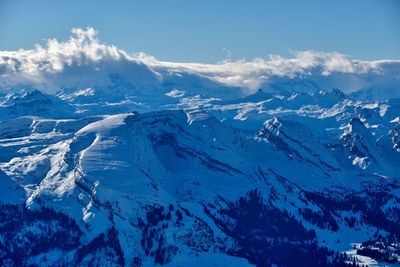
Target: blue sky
(211, 31)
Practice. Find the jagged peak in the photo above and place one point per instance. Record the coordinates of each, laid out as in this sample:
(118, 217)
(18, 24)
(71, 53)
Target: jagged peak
(357, 126)
(25, 96)
(358, 129)
(275, 122)
(196, 114)
(339, 93)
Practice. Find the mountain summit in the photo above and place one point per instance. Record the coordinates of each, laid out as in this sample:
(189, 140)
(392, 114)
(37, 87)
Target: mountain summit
(110, 159)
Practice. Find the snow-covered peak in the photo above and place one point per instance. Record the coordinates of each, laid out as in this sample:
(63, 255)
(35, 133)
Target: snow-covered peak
(139, 162)
(273, 125)
(34, 103)
(356, 126)
(25, 97)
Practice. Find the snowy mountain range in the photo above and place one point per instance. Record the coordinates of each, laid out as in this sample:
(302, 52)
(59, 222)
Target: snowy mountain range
(109, 159)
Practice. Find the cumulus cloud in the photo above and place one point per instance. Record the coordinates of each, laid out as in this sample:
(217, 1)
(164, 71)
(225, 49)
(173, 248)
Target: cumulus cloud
(84, 61)
(81, 59)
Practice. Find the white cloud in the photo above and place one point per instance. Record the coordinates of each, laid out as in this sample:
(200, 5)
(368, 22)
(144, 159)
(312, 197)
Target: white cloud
(83, 61)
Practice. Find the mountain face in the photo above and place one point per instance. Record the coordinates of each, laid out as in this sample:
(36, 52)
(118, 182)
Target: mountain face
(111, 159)
(178, 179)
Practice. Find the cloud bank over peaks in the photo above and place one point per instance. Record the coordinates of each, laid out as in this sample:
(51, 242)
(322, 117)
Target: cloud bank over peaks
(83, 61)
(309, 69)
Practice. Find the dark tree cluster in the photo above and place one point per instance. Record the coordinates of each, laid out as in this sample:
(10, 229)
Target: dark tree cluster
(105, 245)
(369, 205)
(25, 233)
(266, 235)
(153, 242)
(158, 219)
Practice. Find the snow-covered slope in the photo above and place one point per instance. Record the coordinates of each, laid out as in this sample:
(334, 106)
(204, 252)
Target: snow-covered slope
(108, 159)
(198, 179)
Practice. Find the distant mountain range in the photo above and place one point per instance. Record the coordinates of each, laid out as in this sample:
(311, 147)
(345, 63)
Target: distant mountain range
(112, 160)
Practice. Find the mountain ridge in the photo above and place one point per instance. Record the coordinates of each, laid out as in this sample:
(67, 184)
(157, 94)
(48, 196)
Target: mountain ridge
(185, 180)
(111, 159)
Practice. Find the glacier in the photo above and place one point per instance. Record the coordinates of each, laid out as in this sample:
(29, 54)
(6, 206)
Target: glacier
(111, 159)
